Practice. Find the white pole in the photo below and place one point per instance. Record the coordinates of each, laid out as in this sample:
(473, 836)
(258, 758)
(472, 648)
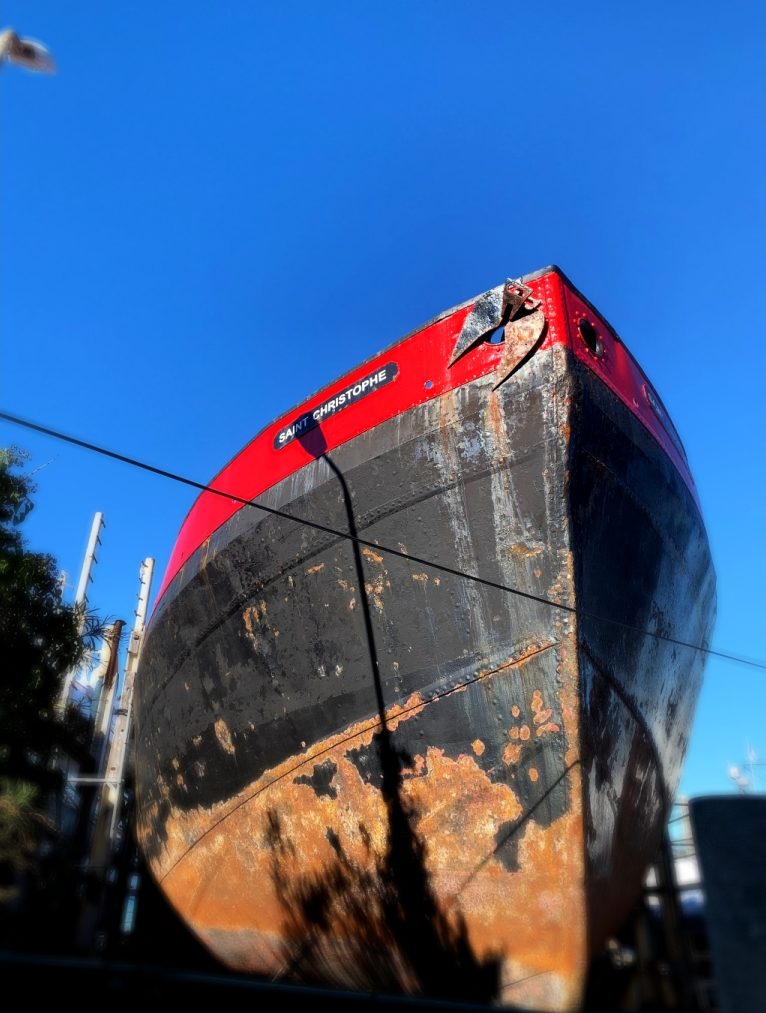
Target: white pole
(81, 602)
(90, 558)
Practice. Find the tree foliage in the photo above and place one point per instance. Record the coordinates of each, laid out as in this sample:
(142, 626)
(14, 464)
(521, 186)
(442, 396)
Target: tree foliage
(41, 636)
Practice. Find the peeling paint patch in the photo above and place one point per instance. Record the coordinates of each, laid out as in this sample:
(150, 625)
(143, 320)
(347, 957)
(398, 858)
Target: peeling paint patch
(540, 711)
(315, 569)
(248, 619)
(375, 590)
(419, 766)
(374, 557)
(320, 779)
(478, 746)
(550, 726)
(507, 846)
(524, 551)
(253, 615)
(204, 549)
(422, 577)
(223, 735)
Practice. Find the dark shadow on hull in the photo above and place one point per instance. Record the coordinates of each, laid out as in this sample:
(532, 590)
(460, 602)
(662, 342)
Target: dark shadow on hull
(376, 925)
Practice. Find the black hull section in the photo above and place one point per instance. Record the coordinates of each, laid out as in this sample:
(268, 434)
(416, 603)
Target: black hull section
(356, 769)
(641, 559)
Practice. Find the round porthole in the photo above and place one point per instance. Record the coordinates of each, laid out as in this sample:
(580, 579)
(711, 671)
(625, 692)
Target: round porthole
(428, 384)
(589, 334)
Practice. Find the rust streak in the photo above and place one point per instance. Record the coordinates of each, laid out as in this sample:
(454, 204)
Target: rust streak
(374, 557)
(550, 726)
(524, 551)
(375, 591)
(248, 618)
(223, 735)
(206, 548)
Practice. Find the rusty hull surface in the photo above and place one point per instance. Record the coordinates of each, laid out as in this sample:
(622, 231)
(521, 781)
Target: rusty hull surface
(400, 779)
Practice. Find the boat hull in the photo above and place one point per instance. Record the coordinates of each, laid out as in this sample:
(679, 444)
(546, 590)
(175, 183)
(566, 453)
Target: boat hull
(359, 769)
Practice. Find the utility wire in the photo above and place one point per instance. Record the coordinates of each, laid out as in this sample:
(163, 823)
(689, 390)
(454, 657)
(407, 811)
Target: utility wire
(441, 567)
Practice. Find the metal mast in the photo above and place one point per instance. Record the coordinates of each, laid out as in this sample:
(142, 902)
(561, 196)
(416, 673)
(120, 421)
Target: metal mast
(114, 774)
(81, 601)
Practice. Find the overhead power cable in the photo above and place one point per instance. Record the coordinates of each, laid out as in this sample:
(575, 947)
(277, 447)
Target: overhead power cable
(375, 546)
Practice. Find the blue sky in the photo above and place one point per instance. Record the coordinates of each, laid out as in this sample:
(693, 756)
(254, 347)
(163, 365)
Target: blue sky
(212, 210)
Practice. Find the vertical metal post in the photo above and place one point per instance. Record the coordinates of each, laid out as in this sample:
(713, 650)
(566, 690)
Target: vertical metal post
(106, 673)
(115, 767)
(112, 774)
(80, 601)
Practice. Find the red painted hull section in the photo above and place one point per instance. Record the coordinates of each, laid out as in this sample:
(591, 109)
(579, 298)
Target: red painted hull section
(423, 374)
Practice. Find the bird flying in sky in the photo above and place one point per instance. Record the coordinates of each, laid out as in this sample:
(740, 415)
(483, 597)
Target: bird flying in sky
(25, 52)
